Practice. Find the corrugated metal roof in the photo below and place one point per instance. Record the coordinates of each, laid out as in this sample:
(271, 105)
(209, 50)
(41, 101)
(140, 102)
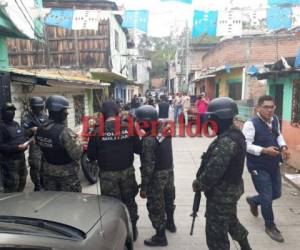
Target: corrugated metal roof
(62, 76)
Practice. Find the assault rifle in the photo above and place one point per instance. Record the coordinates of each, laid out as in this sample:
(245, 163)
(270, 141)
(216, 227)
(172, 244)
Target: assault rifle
(196, 206)
(197, 197)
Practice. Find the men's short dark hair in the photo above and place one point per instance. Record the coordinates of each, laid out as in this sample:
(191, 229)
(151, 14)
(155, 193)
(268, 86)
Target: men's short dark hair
(264, 98)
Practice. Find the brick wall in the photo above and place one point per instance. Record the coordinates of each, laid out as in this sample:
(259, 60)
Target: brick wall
(251, 50)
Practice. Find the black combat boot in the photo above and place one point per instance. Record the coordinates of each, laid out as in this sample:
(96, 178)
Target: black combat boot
(135, 232)
(245, 244)
(158, 240)
(37, 188)
(170, 225)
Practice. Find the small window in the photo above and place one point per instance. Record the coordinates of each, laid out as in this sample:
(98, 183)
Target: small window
(79, 109)
(117, 41)
(296, 104)
(235, 91)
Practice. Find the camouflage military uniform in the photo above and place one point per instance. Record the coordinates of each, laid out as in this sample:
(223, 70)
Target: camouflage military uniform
(222, 196)
(121, 185)
(63, 177)
(35, 154)
(12, 161)
(117, 174)
(14, 172)
(158, 184)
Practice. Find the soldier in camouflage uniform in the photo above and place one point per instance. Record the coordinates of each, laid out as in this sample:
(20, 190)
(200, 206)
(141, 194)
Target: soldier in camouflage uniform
(114, 155)
(30, 123)
(12, 147)
(157, 179)
(220, 178)
(60, 147)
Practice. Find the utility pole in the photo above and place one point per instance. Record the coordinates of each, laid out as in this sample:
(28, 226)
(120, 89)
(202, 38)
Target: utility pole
(187, 45)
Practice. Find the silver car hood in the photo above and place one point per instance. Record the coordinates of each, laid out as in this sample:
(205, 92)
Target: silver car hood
(77, 210)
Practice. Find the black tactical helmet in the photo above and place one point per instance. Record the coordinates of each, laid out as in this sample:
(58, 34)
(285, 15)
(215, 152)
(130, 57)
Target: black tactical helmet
(222, 108)
(57, 103)
(110, 108)
(36, 102)
(146, 113)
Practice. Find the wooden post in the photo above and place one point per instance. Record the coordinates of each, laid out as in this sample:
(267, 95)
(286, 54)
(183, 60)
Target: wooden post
(76, 44)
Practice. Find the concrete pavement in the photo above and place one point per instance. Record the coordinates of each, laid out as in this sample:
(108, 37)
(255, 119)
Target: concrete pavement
(187, 152)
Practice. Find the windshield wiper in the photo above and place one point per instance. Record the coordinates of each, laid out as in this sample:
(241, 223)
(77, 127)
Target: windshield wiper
(62, 229)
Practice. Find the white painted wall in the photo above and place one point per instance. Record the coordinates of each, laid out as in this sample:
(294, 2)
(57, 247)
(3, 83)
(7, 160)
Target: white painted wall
(118, 59)
(21, 92)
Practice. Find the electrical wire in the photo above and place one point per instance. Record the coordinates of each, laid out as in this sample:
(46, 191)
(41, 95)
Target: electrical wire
(33, 29)
(26, 10)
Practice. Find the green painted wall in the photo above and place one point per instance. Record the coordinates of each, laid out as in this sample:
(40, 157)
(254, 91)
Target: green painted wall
(90, 101)
(287, 101)
(3, 54)
(38, 23)
(287, 94)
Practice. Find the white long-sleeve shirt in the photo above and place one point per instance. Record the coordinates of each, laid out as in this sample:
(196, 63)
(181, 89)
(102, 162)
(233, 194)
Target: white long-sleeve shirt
(249, 133)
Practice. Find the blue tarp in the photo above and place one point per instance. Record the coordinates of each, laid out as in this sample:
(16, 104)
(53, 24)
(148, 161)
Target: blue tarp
(205, 23)
(279, 18)
(136, 19)
(182, 1)
(60, 17)
(252, 70)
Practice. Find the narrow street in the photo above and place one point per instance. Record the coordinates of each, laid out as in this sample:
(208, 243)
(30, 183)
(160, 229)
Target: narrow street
(187, 152)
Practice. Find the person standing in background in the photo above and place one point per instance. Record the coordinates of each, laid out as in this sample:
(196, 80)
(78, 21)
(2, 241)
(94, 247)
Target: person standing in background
(177, 106)
(202, 104)
(186, 100)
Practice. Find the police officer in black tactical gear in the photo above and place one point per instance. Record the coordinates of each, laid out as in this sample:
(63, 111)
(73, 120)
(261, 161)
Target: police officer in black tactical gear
(30, 123)
(163, 108)
(157, 176)
(114, 152)
(12, 147)
(220, 178)
(61, 149)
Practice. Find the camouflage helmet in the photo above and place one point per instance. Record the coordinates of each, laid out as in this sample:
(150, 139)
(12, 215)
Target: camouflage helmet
(222, 108)
(36, 102)
(146, 113)
(57, 103)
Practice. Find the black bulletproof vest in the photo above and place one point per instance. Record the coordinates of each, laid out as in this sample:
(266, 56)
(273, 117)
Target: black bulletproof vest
(163, 110)
(34, 120)
(14, 134)
(48, 140)
(163, 154)
(234, 173)
(115, 152)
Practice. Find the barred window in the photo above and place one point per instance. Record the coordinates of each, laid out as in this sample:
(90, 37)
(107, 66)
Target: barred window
(296, 104)
(78, 108)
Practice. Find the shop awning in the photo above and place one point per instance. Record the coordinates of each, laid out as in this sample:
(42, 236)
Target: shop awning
(107, 76)
(55, 77)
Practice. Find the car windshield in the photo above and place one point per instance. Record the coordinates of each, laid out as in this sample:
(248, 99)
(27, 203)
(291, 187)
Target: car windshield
(57, 228)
